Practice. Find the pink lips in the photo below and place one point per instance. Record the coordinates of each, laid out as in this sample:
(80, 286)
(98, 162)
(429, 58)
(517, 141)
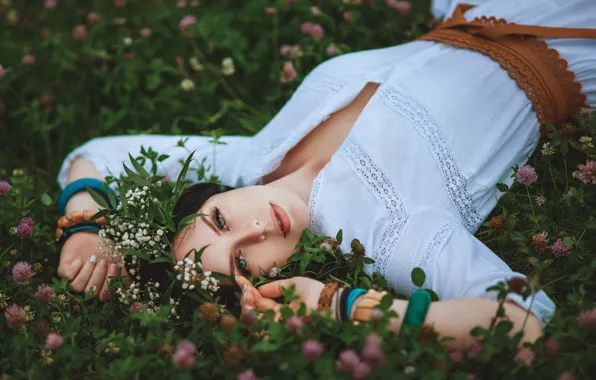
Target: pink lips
(279, 212)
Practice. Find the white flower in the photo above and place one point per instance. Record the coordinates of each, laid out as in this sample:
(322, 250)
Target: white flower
(127, 41)
(547, 149)
(227, 66)
(409, 370)
(185, 286)
(187, 84)
(194, 63)
(586, 142)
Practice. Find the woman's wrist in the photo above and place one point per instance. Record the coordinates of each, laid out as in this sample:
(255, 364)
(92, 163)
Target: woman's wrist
(81, 201)
(81, 168)
(335, 304)
(354, 306)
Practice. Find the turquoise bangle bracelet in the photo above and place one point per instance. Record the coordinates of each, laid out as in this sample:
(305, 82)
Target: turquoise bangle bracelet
(81, 185)
(79, 228)
(354, 293)
(417, 308)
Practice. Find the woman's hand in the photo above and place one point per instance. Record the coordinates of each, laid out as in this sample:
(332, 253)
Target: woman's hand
(307, 289)
(83, 264)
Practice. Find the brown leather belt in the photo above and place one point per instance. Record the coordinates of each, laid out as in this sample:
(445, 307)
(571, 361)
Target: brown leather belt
(537, 69)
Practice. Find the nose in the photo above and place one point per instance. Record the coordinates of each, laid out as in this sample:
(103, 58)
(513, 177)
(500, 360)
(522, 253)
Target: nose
(253, 232)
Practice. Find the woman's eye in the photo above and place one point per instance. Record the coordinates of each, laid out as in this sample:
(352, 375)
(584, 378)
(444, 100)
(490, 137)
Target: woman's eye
(219, 220)
(242, 263)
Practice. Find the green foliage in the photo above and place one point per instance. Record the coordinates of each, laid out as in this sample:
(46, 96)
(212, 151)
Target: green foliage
(104, 85)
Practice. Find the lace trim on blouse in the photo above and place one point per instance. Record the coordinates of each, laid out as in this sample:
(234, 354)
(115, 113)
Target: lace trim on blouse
(386, 194)
(427, 259)
(313, 224)
(455, 182)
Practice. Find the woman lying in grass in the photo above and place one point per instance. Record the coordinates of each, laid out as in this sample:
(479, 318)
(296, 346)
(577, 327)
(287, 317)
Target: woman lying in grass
(401, 147)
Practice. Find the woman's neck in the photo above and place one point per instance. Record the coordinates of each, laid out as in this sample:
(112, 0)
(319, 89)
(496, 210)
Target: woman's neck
(299, 181)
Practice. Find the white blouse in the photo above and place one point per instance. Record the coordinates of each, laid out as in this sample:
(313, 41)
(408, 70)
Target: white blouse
(417, 174)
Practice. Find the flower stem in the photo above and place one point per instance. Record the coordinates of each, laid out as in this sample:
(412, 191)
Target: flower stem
(530, 199)
(552, 177)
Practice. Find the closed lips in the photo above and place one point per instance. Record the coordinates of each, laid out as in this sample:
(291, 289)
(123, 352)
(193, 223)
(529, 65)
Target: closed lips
(280, 216)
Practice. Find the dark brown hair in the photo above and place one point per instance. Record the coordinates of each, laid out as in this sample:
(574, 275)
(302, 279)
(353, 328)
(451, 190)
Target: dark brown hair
(191, 200)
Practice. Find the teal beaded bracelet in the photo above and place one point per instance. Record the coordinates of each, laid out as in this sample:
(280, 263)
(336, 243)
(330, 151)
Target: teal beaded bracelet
(354, 294)
(417, 308)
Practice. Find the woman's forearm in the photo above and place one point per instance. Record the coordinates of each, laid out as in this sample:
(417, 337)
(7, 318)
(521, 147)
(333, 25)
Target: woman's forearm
(455, 318)
(81, 168)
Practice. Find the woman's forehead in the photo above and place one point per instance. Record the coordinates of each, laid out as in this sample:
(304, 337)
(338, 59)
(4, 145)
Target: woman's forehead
(194, 237)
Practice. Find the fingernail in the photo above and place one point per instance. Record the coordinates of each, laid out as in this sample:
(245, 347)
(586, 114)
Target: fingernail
(243, 300)
(245, 287)
(236, 277)
(102, 263)
(113, 267)
(93, 259)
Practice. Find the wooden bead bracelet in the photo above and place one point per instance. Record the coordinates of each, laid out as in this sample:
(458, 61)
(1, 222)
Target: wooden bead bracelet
(326, 296)
(75, 218)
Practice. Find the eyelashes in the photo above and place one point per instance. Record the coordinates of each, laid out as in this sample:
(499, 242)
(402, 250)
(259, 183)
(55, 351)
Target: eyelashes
(220, 222)
(217, 219)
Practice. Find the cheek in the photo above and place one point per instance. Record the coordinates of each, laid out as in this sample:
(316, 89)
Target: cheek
(215, 262)
(278, 256)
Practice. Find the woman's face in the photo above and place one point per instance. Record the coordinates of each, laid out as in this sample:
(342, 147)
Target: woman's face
(242, 232)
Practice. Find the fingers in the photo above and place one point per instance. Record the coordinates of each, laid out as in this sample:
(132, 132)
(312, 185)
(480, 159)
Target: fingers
(112, 272)
(97, 279)
(70, 271)
(241, 281)
(80, 282)
(273, 289)
(268, 304)
(248, 300)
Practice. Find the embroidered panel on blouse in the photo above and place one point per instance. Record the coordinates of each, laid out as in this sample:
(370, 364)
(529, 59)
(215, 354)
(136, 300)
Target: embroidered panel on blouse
(426, 126)
(428, 256)
(385, 193)
(313, 223)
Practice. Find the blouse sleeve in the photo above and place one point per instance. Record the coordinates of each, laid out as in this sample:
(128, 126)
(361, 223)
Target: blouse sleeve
(108, 154)
(465, 267)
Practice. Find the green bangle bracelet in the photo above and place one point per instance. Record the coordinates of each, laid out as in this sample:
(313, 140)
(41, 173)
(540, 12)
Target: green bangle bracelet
(417, 308)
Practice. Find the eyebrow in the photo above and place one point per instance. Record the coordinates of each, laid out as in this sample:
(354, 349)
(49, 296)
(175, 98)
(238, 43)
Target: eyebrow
(210, 225)
(232, 266)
